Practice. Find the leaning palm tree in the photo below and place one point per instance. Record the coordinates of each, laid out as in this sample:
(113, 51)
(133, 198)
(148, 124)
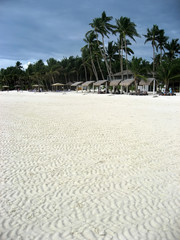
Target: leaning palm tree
(104, 28)
(90, 39)
(126, 28)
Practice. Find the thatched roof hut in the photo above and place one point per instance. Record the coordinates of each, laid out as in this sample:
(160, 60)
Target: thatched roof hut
(115, 83)
(5, 87)
(87, 84)
(38, 87)
(127, 82)
(100, 82)
(76, 84)
(56, 85)
(147, 82)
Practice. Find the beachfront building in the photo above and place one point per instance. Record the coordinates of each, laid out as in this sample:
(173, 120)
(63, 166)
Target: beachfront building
(37, 87)
(57, 87)
(127, 83)
(126, 74)
(115, 85)
(5, 88)
(76, 86)
(146, 85)
(87, 85)
(101, 86)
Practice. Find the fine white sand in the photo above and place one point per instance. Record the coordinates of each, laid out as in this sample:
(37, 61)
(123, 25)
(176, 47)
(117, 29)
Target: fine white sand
(89, 166)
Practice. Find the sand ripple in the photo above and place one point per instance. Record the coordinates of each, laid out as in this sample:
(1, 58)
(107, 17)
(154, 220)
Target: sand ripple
(87, 167)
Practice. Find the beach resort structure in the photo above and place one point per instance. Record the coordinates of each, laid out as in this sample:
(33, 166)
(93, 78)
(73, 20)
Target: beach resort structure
(87, 85)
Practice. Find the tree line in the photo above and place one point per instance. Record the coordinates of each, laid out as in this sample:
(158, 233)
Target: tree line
(101, 61)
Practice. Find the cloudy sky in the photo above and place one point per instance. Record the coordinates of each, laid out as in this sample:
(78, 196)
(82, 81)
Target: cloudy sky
(41, 29)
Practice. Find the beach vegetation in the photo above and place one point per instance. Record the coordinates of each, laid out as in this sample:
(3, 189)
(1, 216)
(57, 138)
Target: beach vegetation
(101, 57)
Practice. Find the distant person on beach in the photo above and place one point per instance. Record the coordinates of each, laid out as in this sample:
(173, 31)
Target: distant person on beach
(170, 91)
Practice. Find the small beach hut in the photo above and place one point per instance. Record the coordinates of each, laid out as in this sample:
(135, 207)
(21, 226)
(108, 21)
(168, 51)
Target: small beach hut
(115, 84)
(146, 85)
(126, 83)
(5, 87)
(38, 87)
(68, 85)
(100, 83)
(76, 85)
(87, 85)
(57, 86)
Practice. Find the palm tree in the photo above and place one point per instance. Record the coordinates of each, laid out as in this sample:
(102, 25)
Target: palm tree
(85, 61)
(53, 69)
(162, 40)
(111, 51)
(121, 48)
(173, 48)
(168, 71)
(138, 69)
(103, 27)
(125, 28)
(152, 36)
(90, 39)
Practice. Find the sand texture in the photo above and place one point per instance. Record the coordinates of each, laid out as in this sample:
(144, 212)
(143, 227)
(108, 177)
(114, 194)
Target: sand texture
(80, 166)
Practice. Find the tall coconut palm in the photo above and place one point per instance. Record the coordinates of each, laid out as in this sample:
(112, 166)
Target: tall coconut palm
(111, 51)
(98, 57)
(85, 60)
(152, 36)
(104, 28)
(173, 48)
(53, 69)
(90, 39)
(126, 28)
(161, 42)
(121, 48)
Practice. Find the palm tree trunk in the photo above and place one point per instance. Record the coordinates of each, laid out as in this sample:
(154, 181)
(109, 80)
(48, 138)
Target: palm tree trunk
(126, 56)
(99, 67)
(110, 67)
(105, 59)
(52, 78)
(103, 54)
(122, 59)
(160, 55)
(153, 68)
(93, 66)
(94, 69)
(85, 70)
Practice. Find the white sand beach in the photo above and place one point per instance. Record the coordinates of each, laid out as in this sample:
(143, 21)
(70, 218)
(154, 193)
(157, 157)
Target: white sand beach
(80, 166)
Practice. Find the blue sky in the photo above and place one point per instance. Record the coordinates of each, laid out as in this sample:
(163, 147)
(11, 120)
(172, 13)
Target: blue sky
(41, 29)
